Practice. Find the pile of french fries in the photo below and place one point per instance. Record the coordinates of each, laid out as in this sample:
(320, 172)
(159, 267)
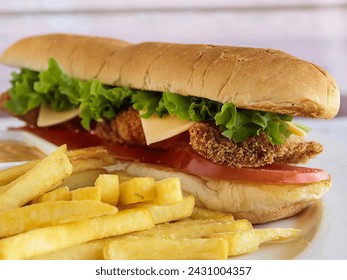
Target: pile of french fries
(67, 206)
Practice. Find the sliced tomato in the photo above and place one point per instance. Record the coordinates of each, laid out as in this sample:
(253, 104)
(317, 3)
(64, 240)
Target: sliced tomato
(186, 160)
(190, 162)
(268, 174)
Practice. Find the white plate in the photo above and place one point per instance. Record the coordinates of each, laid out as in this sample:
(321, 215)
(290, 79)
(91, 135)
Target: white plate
(323, 224)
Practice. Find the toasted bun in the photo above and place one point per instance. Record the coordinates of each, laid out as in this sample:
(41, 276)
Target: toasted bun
(254, 202)
(251, 78)
(79, 56)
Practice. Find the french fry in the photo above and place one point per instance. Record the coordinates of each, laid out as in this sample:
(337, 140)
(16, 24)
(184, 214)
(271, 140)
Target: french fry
(82, 178)
(87, 193)
(195, 229)
(202, 213)
(48, 239)
(92, 250)
(247, 241)
(242, 238)
(240, 242)
(79, 220)
(108, 184)
(171, 212)
(136, 190)
(10, 174)
(43, 176)
(59, 194)
(166, 249)
(5, 188)
(81, 160)
(180, 229)
(168, 191)
(276, 234)
(50, 213)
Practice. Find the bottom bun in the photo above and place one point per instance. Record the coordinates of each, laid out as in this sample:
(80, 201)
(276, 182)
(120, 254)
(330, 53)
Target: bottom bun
(254, 202)
(274, 214)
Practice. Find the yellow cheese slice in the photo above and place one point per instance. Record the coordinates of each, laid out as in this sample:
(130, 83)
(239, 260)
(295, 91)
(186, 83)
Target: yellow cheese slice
(296, 130)
(48, 117)
(157, 129)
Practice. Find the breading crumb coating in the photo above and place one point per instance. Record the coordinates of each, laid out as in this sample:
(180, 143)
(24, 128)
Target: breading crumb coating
(206, 139)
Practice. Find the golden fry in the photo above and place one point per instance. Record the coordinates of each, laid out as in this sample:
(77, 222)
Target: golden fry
(168, 191)
(10, 174)
(92, 250)
(59, 194)
(166, 249)
(80, 220)
(276, 234)
(42, 177)
(136, 190)
(195, 228)
(87, 193)
(50, 213)
(203, 213)
(49, 239)
(108, 184)
(247, 241)
(172, 212)
(81, 160)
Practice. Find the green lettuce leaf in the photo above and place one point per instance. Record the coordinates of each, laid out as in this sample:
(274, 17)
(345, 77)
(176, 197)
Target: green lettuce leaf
(146, 102)
(176, 105)
(57, 89)
(242, 124)
(201, 109)
(23, 96)
(99, 101)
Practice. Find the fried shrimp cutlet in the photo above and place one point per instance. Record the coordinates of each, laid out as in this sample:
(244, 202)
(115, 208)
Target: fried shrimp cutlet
(206, 139)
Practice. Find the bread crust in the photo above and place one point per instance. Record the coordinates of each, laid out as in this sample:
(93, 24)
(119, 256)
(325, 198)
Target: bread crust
(272, 215)
(251, 78)
(254, 202)
(79, 56)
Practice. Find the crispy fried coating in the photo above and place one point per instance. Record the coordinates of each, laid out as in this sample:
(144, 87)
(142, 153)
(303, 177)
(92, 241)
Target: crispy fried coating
(206, 139)
(4, 97)
(125, 128)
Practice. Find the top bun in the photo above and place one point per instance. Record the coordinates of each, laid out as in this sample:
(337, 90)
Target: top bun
(251, 78)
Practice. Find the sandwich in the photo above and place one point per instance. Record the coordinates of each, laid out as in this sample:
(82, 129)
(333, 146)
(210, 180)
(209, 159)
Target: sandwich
(219, 117)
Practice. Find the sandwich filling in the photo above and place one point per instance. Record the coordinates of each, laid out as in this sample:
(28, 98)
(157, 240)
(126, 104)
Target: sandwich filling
(221, 133)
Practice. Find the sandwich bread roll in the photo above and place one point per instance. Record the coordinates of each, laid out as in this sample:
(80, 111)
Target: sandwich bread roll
(251, 78)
